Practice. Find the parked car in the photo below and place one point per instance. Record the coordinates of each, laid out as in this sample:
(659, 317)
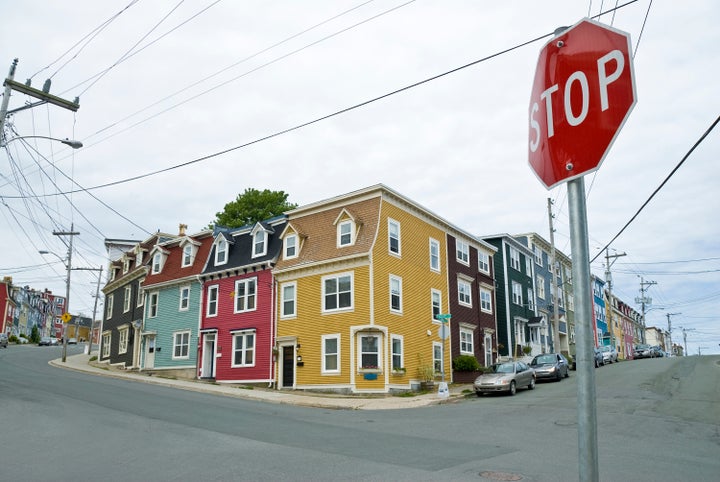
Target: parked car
(552, 366)
(599, 360)
(642, 351)
(72, 341)
(505, 377)
(656, 352)
(609, 354)
(45, 341)
(3, 340)
(21, 340)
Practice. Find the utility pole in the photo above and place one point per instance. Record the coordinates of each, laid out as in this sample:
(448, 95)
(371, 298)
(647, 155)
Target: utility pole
(685, 330)
(97, 295)
(66, 315)
(608, 281)
(644, 300)
(553, 283)
(670, 329)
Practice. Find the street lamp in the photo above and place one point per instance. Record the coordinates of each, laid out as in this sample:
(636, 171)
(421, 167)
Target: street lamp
(68, 142)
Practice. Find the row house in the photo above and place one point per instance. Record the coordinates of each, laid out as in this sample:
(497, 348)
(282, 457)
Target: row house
(7, 306)
(550, 291)
(519, 326)
(362, 280)
(623, 320)
(173, 296)
(23, 308)
(237, 325)
(124, 304)
(600, 327)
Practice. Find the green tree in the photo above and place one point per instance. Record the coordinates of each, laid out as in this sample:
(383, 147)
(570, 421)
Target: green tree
(34, 334)
(252, 206)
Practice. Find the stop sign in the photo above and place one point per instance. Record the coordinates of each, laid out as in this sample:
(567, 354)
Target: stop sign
(584, 89)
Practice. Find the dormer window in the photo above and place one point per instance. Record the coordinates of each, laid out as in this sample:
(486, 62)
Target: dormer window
(291, 246)
(138, 258)
(345, 233)
(221, 252)
(157, 263)
(259, 243)
(187, 257)
(126, 265)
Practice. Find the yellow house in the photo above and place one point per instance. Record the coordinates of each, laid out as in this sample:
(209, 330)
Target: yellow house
(359, 281)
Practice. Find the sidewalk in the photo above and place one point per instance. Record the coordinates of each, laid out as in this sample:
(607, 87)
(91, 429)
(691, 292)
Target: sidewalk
(308, 399)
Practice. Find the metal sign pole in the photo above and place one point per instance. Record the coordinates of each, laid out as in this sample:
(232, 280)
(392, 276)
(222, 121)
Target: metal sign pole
(585, 366)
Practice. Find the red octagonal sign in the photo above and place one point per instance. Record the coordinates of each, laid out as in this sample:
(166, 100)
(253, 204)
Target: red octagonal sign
(584, 89)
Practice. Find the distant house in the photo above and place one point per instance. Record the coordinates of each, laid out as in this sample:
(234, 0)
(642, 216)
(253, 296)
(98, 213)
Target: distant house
(173, 294)
(124, 304)
(237, 330)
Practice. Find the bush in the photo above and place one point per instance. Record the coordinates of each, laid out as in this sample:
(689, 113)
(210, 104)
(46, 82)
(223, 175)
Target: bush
(466, 363)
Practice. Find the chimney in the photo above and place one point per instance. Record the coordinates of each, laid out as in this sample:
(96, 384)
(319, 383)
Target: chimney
(183, 227)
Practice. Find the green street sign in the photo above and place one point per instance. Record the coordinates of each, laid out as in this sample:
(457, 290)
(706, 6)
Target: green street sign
(444, 317)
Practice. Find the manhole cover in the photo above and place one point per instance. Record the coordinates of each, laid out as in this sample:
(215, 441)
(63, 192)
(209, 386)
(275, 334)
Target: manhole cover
(500, 475)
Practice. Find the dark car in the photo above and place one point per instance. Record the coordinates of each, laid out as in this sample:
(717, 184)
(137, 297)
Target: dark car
(656, 352)
(505, 377)
(45, 341)
(642, 351)
(550, 366)
(3, 340)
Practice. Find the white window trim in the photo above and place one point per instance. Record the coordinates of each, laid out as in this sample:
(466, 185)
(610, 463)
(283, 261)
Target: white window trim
(483, 262)
(153, 296)
(285, 246)
(402, 351)
(123, 332)
(140, 294)
(186, 298)
(106, 341)
(377, 336)
(436, 243)
(462, 252)
(433, 291)
(324, 369)
(393, 222)
(185, 263)
(216, 290)
(244, 334)
(221, 242)
(517, 294)
(175, 345)
(467, 331)
(126, 299)
(351, 274)
(463, 282)
(482, 301)
(246, 282)
(255, 243)
(514, 258)
(400, 294)
(351, 223)
(284, 315)
(157, 263)
(109, 307)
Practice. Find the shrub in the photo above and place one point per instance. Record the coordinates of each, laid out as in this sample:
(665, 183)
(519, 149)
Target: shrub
(466, 363)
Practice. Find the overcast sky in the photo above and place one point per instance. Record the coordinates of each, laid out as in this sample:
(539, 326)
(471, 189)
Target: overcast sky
(163, 83)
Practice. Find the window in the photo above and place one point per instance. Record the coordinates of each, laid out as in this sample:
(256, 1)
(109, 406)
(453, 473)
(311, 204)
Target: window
(243, 349)
(127, 299)
(396, 345)
(245, 293)
(517, 293)
(515, 258)
(109, 306)
(396, 294)
(538, 253)
(212, 303)
(259, 243)
(531, 299)
(221, 251)
(438, 363)
(140, 293)
(126, 265)
(287, 301)
(106, 344)
(157, 263)
(181, 345)
(153, 308)
(436, 299)
(485, 300)
(331, 353)
(464, 296)
(345, 233)
(123, 343)
(337, 292)
(484, 262)
(187, 257)
(466, 342)
(394, 236)
(184, 298)
(463, 252)
(370, 352)
(528, 266)
(434, 255)
(291, 246)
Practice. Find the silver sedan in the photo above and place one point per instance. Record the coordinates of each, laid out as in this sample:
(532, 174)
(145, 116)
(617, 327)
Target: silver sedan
(505, 377)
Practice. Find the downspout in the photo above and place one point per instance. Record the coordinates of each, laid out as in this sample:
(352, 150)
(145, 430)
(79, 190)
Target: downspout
(273, 331)
(509, 346)
(200, 313)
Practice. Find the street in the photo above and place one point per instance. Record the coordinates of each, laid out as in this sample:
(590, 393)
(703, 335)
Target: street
(658, 419)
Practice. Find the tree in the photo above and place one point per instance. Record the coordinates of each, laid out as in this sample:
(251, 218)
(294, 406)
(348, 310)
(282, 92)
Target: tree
(252, 206)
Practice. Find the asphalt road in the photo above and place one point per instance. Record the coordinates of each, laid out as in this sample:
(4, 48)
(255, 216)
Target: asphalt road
(658, 420)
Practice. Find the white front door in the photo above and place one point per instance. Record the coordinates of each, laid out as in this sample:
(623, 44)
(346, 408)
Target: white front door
(150, 351)
(488, 350)
(207, 370)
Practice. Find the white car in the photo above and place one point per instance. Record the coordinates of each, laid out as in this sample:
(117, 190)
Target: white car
(609, 354)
